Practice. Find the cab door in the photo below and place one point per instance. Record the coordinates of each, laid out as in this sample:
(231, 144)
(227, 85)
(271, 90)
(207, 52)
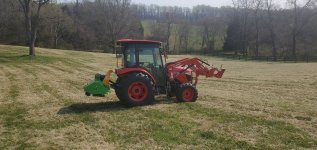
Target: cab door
(149, 57)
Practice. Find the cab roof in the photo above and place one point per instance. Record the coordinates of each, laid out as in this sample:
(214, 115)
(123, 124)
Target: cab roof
(137, 41)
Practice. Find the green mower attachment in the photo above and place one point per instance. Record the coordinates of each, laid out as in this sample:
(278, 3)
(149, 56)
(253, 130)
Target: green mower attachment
(97, 87)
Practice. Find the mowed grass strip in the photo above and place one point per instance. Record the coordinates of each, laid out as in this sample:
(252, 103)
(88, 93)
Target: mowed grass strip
(255, 106)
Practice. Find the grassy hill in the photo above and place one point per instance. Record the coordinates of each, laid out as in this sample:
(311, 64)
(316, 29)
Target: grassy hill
(195, 38)
(255, 106)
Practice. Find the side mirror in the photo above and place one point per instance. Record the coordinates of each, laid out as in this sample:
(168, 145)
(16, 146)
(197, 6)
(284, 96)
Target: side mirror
(163, 52)
(165, 55)
(118, 55)
(119, 51)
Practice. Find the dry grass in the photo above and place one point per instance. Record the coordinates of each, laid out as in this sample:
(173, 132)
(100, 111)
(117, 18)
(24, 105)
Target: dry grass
(257, 105)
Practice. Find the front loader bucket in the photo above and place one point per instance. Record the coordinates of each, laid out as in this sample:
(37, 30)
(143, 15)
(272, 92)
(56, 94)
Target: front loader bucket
(214, 72)
(96, 87)
(220, 73)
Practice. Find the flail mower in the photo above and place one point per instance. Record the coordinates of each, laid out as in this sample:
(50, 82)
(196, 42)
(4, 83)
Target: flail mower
(143, 74)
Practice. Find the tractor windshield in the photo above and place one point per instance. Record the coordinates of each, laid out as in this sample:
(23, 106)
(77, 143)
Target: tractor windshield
(149, 56)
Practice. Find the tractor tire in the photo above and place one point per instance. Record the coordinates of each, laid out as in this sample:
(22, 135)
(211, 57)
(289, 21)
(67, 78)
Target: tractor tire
(117, 89)
(135, 90)
(186, 93)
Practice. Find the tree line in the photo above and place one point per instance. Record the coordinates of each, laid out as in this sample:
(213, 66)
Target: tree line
(249, 28)
(84, 25)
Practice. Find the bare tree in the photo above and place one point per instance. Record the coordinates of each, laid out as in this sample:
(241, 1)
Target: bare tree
(299, 21)
(210, 28)
(256, 7)
(183, 35)
(6, 13)
(55, 25)
(118, 19)
(211, 25)
(244, 8)
(168, 20)
(32, 21)
(270, 25)
(156, 31)
(108, 21)
(3, 18)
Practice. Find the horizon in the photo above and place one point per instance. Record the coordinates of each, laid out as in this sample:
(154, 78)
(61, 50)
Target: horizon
(181, 3)
(188, 3)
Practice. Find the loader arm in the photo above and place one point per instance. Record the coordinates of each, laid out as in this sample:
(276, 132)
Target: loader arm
(191, 68)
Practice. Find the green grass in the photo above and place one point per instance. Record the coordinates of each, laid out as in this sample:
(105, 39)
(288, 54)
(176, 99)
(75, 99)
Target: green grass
(257, 105)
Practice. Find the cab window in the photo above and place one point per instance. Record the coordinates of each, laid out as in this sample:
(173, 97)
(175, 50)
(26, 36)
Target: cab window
(130, 59)
(149, 56)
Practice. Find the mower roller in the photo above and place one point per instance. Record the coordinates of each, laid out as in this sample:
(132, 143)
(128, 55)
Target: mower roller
(142, 75)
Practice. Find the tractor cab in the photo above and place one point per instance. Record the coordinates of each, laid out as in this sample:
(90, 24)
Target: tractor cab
(143, 54)
(140, 53)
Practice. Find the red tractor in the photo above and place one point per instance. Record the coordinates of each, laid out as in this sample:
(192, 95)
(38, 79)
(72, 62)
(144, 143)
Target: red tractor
(144, 75)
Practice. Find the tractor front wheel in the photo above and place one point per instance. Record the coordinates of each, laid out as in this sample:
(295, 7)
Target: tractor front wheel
(135, 90)
(186, 93)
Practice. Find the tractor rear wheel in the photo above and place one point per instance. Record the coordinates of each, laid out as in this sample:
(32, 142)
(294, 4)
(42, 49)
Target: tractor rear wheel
(135, 90)
(186, 93)
(117, 88)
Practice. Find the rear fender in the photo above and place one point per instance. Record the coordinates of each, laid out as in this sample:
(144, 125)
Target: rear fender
(125, 71)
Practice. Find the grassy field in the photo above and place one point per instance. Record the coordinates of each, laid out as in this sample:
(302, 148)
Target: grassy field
(257, 105)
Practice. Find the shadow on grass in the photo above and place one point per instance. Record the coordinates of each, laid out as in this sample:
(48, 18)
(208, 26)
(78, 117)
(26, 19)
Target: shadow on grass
(104, 106)
(92, 107)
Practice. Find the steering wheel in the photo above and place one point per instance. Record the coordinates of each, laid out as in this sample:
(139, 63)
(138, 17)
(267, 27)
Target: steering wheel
(151, 66)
